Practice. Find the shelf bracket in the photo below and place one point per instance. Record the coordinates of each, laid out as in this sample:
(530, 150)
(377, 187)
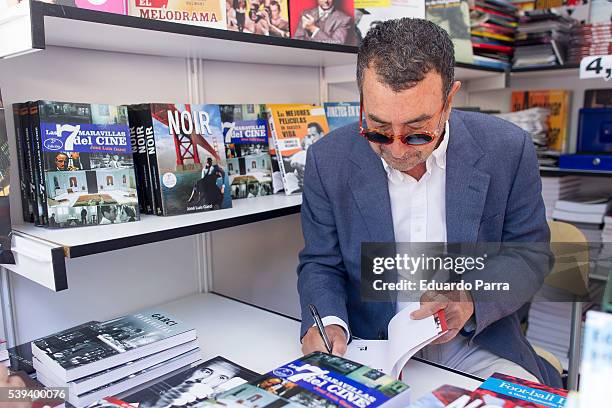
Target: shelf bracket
(38, 260)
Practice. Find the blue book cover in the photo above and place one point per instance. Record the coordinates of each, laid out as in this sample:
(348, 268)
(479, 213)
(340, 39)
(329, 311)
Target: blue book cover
(321, 380)
(341, 114)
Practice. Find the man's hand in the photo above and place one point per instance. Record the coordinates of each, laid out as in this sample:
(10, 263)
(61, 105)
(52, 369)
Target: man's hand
(308, 23)
(312, 340)
(11, 381)
(458, 308)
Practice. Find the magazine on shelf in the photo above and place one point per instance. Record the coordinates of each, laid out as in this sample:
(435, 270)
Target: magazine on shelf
(341, 114)
(129, 382)
(454, 17)
(187, 388)
(406, 337)
(258, 17)
(185, 157)
(331, 22)
(96, 380)
(205, 13)
(96, 346)
(294, 128)
(368, 12)
(245, 131)
(319, 380)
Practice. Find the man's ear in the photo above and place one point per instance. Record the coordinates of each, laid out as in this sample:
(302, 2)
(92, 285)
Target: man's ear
(454, 89)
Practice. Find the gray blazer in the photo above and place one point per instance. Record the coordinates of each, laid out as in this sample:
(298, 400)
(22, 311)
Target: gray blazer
(493, 194)
(337, 28)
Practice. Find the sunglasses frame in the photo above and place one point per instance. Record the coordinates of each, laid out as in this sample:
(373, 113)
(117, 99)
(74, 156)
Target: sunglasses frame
(403, 138)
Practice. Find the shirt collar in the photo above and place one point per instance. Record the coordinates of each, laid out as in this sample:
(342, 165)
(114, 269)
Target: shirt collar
(438, 157)
(325, 12)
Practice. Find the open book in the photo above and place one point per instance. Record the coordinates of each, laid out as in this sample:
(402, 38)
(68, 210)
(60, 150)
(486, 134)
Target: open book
(406, 337)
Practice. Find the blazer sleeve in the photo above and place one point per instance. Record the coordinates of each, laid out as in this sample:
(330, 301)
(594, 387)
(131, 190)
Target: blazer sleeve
(524, 258)
(321, 272)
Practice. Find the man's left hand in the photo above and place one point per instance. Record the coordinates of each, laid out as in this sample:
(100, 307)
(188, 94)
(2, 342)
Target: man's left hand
(308, 23)
(458, 308)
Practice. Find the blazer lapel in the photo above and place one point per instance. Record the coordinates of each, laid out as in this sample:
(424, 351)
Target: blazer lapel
(368, 182)
(466, 185)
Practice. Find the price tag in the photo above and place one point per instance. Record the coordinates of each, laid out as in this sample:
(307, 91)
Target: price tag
(597, 66)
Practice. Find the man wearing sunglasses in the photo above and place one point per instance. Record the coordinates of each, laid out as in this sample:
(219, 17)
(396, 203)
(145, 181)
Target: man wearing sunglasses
(414, 170)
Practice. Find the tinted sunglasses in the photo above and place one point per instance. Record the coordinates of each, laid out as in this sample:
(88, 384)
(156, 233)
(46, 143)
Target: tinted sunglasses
(374, 135)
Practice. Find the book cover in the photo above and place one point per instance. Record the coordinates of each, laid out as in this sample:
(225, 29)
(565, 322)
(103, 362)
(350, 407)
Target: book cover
(598, 98)
(445, 396)
(186, 388)
(108, 6)
(454, 18)
(558, 103)
(205, 13)
(69, 353)
(21, 359)
(504, 391)
(330, 22)
(596, 364)
(19, 118)
(186, 156)
(88, 166)
(294, 128)
(341, 114)
(5, 209)
(258, 17)
(319, 380)
(245, 131)
(368, 12)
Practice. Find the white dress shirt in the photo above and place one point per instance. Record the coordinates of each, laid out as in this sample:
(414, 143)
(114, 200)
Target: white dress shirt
(418, 208)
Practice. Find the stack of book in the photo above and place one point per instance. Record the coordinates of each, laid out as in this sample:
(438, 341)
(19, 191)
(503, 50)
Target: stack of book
(558, 188)
(589, 39)
(493, 25)
(4, 354)
(542, 39)
(586, 212)
(98, 359)
(606, 235)
(535, 122)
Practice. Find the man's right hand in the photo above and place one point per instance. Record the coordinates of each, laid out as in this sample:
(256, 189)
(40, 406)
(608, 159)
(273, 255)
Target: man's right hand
(312, 340)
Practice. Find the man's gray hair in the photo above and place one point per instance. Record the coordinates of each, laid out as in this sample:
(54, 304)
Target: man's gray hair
(404, 50)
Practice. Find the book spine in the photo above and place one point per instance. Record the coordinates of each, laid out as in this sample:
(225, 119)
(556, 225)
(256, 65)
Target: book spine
(18, 117)
(141, 167)
(277, 152)
(41, 188)
(158, 207)
(31, 163)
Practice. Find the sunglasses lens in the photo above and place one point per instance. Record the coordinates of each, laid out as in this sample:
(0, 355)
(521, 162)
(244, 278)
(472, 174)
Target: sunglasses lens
(376, 137)
(418, 139)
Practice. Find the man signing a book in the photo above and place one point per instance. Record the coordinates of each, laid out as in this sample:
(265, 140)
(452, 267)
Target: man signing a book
(414, 170)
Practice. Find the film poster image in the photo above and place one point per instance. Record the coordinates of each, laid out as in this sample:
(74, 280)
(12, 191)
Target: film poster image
(249, 167)
(89, 169)
(191, 158)
(328, 21)
(263, 17)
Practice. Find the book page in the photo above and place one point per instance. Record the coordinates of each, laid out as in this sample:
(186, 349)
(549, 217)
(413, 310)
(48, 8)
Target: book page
(406, 337)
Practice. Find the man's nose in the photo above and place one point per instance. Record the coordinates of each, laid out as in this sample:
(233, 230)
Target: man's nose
(397, 148)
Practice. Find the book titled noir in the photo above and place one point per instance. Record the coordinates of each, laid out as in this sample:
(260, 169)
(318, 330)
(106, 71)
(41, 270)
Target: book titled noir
(96, 346)
(183, 161)
(319, 380)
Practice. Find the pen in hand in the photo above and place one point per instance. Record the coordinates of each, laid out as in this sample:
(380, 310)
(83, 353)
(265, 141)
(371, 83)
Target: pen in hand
(319, 323)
